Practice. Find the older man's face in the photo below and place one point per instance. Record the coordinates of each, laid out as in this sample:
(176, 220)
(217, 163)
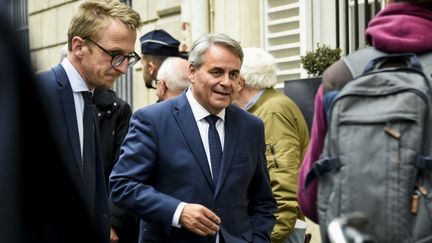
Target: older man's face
(216, 83)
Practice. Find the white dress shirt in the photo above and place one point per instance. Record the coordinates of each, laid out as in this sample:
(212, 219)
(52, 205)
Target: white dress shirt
(78, 85)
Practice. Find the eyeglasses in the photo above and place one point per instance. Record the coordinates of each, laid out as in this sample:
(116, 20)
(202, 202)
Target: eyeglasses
(116, 58)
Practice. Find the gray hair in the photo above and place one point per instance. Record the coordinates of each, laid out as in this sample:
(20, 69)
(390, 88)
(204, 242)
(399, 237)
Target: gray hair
(175, 73)
(259, 68)
(201, 45)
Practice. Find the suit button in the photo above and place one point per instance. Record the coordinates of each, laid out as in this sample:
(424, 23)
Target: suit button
(216, 209)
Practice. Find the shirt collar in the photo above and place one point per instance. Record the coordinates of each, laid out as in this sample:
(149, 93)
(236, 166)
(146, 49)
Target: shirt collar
(198, 110)
(254, 99)
(76, 81)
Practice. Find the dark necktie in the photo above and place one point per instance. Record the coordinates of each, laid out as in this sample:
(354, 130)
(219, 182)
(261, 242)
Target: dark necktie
(89, 147)
(214, 145)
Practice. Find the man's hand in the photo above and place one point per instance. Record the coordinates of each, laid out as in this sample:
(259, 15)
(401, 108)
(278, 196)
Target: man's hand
(199, 220)
(113, 236)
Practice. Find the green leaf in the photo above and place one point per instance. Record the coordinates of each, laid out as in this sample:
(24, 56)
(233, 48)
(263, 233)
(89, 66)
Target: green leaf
(315, 62)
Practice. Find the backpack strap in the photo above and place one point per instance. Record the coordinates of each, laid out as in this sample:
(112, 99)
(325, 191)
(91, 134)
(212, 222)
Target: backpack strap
(424, 163)
(357, 61)
(426, 62)
(322, 167)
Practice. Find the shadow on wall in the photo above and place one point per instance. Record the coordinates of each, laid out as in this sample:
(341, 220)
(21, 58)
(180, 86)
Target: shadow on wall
(302, 92)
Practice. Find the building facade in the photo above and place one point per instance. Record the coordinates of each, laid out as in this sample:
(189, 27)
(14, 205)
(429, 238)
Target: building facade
(285, 28)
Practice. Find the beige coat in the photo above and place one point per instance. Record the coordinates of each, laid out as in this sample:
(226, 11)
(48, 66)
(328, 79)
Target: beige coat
(286, 136)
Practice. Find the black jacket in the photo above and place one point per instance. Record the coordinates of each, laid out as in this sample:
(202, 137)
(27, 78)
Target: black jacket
(113, 115)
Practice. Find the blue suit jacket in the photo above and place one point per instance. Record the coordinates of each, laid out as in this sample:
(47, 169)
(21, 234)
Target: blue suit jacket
(163, 163)
(58, 100)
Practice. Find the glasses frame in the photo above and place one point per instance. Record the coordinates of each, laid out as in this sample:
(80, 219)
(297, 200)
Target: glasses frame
(115, 55)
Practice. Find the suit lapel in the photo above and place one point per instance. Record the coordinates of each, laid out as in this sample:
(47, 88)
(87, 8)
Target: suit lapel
(232, 130)
(186, 121)
(67, 103)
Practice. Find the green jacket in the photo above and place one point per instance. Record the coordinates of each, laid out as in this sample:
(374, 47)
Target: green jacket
(286, 136)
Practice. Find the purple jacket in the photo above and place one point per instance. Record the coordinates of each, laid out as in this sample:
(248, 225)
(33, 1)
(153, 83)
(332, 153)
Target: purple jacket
(307, 197)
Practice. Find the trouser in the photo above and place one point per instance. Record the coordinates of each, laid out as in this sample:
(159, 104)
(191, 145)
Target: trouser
(296, 236)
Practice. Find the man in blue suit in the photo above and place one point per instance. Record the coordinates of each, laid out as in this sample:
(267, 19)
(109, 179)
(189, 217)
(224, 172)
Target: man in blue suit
(168, 173)
(101, 41)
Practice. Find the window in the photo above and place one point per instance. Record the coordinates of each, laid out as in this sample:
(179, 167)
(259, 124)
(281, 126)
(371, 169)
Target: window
(123, 86)
(281, 38)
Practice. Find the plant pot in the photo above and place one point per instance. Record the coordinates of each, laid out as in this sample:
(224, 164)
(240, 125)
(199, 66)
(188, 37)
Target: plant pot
(302, 92)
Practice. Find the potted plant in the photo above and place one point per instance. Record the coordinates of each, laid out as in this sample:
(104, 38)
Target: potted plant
(315, 62)
(302, 91)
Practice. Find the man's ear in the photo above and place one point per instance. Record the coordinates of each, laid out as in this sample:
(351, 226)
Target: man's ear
(163, 87)
(77, 46)
(161, 90)
(192, 71)
(152, 68)
(241, 82)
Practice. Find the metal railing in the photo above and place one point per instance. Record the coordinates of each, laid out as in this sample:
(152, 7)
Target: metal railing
(355, 18)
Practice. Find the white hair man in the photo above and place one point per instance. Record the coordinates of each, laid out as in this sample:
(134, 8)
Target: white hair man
(172, 78)
(286, 137)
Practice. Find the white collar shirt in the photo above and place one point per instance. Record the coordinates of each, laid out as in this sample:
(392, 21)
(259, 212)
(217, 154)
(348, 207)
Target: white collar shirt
(78, 85)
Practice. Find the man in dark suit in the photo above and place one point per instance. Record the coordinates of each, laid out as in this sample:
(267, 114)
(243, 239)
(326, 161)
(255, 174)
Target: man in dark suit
(32, 209)
(175, 178)
(101, 40)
